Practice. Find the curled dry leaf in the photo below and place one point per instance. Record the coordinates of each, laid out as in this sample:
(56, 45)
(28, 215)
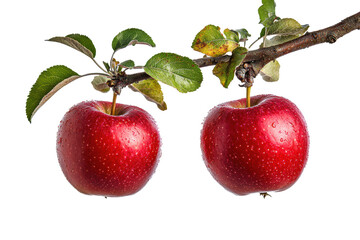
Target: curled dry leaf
(271, 71)
(151, 90)
(100, 83)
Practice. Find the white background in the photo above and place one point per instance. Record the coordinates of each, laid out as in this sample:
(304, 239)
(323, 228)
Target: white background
(181, 201)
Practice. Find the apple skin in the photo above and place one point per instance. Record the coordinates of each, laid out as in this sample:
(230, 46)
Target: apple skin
(107, 155)
(258, 149)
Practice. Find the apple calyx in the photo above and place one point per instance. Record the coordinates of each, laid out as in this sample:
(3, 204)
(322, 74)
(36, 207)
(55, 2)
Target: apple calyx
(265, 194)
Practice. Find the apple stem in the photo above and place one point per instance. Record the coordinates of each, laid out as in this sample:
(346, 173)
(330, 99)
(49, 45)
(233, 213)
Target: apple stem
(248, 89)
(113, 106)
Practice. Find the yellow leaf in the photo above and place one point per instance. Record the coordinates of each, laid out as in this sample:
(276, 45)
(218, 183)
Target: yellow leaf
(211, 42)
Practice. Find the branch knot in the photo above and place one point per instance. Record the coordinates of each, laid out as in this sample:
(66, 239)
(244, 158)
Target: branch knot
(331, 38)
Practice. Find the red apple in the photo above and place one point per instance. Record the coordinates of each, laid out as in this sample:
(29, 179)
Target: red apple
(107, 155)
(257, 149)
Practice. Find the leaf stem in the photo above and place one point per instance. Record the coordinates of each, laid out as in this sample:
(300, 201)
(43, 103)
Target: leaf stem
(90, 74)
(254, 42)
(113, 106)
(248, 104)
(264, 38)
(99, 65)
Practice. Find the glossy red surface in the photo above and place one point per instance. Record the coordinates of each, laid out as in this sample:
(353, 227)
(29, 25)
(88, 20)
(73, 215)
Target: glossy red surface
(108, 155)
(258, 149)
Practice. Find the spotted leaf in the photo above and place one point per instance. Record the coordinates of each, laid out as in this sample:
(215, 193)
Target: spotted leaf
(211, 42)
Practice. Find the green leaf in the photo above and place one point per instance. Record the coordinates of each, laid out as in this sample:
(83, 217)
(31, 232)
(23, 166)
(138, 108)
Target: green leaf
(151, 90)
(211, 42)
(177, 71)
(263, 31)
(271, 71)
(128, 64)
(225, 71)
(131, 36)
(286, 26)
(107, 66)
(267, 12)
(100, 83)
(231, 35)
(244, 34)
(79, 42)
(221, 70)
(47, 84)
(279, 39)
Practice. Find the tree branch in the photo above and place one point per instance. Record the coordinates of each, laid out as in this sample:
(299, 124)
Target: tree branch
(262, 56)
(257, 59)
